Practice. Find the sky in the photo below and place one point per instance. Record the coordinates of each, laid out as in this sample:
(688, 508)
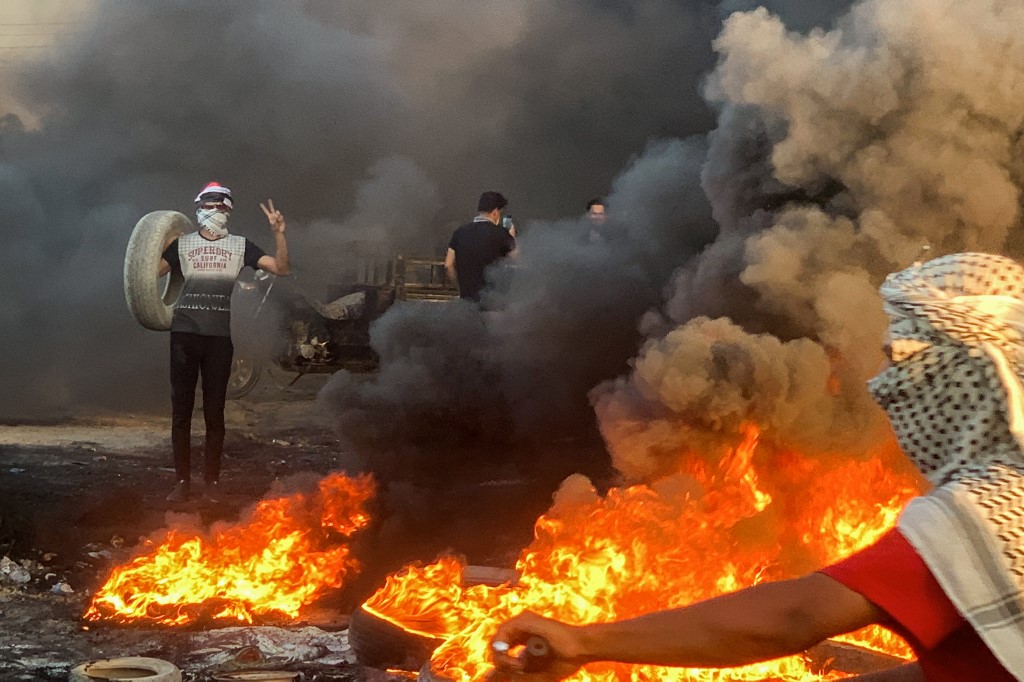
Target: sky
(28, 27)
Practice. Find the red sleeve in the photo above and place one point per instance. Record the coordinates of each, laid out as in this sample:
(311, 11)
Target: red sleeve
(891, 575)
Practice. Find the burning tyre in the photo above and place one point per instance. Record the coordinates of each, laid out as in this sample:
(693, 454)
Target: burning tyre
(378, 643)
(149, 305)
(407, 641)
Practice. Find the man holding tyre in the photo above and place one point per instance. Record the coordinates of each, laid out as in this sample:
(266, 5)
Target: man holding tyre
(208, 261)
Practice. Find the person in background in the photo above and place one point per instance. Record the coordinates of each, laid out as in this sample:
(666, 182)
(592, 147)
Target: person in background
(949, 578)
(477, 244)
(209, 260)
(596, 210)
(597, 215)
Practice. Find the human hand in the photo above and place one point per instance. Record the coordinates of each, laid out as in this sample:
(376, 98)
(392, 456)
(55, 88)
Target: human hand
(274, 217)
(564, 642)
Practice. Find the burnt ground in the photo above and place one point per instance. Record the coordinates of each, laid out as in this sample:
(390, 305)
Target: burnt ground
(77, 495)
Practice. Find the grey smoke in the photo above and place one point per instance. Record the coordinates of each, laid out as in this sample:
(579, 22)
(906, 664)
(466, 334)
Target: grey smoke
(136, 114)
(838, 155)
(302, 103)
(563, 317)
(572, 311)
(298, 102)
(391, 208)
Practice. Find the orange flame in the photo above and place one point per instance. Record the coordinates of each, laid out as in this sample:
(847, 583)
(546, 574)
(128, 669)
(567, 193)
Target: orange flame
(284, 556)
(644, 548)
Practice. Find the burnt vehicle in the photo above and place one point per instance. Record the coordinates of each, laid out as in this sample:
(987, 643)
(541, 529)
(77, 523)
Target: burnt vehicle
(322, 338)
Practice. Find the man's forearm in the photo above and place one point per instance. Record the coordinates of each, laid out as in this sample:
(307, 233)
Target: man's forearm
(450, 269)
(744, 627)
(281, 254)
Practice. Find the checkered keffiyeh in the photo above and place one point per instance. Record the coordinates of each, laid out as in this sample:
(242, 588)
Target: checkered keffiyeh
(955, 398)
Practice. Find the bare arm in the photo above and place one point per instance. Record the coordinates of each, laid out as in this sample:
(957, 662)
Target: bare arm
(756, 624)
(277, 264)
(449, 264)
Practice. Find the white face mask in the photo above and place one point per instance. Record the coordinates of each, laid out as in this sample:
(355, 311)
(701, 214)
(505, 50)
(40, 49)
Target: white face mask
(213, 221)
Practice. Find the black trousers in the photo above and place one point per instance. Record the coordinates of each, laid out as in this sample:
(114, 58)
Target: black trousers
(193, 355)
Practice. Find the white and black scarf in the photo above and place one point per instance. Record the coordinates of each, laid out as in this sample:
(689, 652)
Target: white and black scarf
(955, 398)
(213, 221)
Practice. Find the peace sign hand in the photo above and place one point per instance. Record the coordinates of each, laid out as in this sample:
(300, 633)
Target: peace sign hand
(274, 217)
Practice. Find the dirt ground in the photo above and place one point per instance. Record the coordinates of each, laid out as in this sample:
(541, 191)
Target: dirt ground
(77, 496)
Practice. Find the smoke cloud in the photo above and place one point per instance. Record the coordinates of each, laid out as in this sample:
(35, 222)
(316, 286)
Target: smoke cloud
(558, 320)
(392, 206)
(765, 165)
(837, 157)
(349, 116)
(755, 202)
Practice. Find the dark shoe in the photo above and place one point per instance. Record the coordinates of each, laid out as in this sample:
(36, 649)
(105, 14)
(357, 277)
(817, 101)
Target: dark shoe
(180, 492)
(211, 493)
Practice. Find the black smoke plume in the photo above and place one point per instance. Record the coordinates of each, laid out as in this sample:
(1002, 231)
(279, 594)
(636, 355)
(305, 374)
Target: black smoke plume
(308, 103)
(839, 156)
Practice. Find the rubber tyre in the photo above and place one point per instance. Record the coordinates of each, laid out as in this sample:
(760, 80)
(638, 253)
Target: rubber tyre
(245, 374)
(380, 644)
(151, 307)
(129, 667)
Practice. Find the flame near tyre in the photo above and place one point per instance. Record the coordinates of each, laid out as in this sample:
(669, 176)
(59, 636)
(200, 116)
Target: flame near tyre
(711, 530)
(289, 551)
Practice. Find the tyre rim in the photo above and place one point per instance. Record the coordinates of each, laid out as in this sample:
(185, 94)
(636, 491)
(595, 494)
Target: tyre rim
(241, 372)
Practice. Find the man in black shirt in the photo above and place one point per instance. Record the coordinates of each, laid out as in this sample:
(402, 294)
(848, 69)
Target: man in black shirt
(477, 244)
(210, 260)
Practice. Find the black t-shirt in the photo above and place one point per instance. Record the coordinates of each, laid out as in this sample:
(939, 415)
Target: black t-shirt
(477, 245)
